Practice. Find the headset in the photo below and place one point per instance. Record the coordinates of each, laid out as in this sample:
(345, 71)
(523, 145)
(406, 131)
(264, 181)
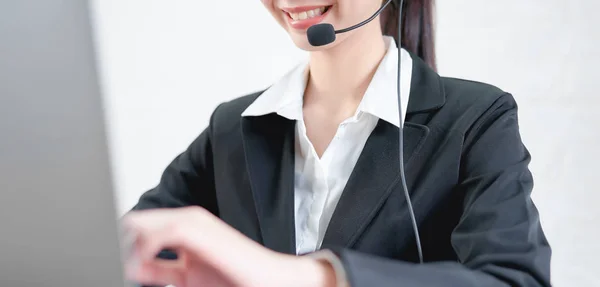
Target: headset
(324, 34)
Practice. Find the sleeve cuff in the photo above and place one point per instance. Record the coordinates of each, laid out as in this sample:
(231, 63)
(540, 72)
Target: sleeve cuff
(330, 257)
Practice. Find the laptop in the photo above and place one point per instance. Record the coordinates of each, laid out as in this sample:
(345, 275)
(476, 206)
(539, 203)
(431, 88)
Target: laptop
(58, 220)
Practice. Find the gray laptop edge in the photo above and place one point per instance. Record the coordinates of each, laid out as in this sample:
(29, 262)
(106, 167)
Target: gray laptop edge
(57, 214)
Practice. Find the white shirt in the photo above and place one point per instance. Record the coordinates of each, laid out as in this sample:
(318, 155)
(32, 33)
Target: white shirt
(319, 182)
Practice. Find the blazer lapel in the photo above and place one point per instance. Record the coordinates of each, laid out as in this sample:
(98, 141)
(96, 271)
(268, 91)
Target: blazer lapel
(364, 195)
(269, 150)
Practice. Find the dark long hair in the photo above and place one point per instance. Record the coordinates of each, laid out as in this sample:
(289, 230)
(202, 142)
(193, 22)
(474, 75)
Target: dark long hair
(418, 27)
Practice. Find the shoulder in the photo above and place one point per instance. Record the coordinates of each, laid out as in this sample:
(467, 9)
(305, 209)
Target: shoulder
(227, 115)
(472, 109)
(465, 95)
(470, 105)
(468, 108)
(235, 107)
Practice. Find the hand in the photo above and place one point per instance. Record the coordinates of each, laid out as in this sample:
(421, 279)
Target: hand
(210, 253)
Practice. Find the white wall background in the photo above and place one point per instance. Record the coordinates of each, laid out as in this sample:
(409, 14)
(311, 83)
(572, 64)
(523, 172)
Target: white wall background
(167, 64)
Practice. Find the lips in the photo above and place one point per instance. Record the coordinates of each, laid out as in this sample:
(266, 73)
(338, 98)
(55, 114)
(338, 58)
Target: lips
(303, 17)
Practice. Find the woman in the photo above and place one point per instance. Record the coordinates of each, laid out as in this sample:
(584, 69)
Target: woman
(310, 167)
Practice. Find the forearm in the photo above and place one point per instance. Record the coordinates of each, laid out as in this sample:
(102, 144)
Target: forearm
(366, 270)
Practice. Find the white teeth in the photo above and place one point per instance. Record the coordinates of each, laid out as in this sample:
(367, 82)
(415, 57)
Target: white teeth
(307, 14)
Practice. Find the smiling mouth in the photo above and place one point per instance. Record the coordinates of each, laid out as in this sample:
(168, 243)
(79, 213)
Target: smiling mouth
(309, 14)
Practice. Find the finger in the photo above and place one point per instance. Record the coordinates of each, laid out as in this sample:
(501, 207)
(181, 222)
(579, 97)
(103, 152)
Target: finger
(142, 252)
(175, 239)
(153, 273)
(147, 218)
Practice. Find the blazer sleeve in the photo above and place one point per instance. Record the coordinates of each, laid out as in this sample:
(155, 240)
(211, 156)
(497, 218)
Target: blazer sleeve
(498, 240)
(188, 180)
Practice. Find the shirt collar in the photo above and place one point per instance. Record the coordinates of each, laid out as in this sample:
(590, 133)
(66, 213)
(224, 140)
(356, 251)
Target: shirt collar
(380, 99)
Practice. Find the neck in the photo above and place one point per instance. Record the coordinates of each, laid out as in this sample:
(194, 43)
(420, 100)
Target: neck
(343, 72)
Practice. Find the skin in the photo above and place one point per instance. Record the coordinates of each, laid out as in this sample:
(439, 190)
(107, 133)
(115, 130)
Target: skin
(339, 73)
(211, 253)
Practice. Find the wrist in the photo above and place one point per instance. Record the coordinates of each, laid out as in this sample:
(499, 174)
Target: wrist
(301, 271)
(318, 273)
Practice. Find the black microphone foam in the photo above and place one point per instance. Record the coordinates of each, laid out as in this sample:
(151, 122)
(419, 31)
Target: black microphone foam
(321, 34)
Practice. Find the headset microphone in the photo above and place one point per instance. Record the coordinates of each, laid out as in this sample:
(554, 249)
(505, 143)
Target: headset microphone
(324, 34)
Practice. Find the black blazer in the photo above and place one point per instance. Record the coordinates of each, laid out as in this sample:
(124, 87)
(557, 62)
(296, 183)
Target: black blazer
(466, 170)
